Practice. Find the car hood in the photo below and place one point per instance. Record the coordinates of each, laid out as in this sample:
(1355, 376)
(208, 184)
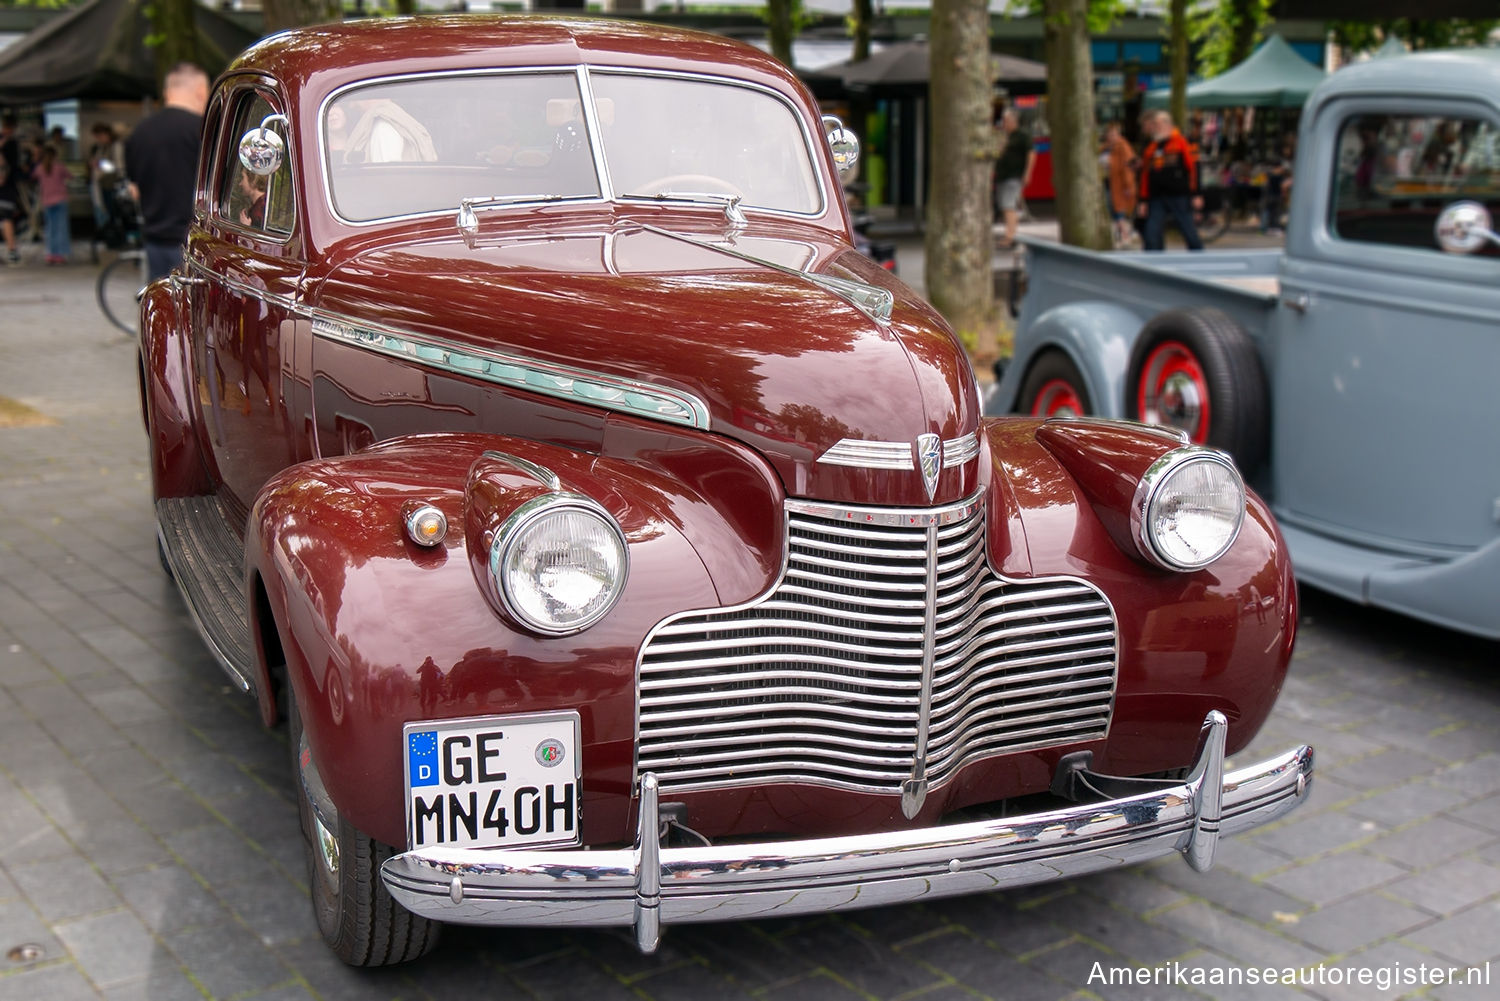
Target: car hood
(781, 363)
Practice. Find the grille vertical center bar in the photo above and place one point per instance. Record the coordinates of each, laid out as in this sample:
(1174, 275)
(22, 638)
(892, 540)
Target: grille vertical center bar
(885, 658)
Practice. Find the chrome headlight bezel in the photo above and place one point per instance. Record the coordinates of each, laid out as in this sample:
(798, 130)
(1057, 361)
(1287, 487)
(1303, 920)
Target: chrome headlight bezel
(1153, 486)
(514, 531)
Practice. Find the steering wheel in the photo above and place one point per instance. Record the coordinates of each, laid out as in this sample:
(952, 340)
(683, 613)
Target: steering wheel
(687, 182)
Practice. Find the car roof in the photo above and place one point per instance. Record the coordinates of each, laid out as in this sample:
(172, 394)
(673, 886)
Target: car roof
(323, 57)
(1471, 72)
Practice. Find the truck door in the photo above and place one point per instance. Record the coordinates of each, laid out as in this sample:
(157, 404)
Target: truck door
(1386, 348)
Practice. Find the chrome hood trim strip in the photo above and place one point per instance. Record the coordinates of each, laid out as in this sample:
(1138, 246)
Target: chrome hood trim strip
(560, 381)
(896, 454)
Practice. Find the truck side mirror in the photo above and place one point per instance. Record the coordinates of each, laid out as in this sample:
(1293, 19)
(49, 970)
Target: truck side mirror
(261, 150)
(1464, 227)
(844, 143)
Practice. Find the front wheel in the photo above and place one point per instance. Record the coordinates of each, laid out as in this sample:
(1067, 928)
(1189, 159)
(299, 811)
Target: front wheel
(1054, 388)
(361, 922)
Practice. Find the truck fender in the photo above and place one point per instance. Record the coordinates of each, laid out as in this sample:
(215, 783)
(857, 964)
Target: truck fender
(1095, 335)
(167, 403)
(375, 630)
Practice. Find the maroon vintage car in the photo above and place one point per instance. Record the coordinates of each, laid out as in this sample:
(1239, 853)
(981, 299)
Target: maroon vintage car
(623, 548)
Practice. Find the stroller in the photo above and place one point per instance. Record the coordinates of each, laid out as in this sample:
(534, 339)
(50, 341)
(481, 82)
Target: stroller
(119, 226)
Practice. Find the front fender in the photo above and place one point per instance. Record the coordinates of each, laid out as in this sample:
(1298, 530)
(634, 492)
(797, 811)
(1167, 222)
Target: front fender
(1097, 337)
(377, 631)
(177, 468)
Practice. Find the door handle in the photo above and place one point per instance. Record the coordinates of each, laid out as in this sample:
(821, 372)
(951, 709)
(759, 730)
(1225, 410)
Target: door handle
(1297, 301)
(180, 281)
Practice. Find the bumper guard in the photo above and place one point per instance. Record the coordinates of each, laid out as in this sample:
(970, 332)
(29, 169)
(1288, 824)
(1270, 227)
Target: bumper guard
(648, 886)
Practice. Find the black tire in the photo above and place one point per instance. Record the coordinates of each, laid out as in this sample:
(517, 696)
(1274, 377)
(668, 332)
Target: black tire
(359, 919)
(161, 557)
(1048, 371)
(116, 290)
(1238, 417)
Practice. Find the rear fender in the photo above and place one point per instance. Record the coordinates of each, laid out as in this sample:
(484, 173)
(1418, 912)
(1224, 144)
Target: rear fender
(377, 631)
(177, 468)
(1095, 335)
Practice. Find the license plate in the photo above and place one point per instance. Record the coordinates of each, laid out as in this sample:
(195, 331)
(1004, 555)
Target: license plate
(493, 781)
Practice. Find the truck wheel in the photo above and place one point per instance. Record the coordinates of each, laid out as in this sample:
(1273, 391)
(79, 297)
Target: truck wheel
(1054, 388)
(361, 922)
(1197, 370)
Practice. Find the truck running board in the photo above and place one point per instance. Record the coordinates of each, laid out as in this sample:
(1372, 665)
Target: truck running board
(207, 560)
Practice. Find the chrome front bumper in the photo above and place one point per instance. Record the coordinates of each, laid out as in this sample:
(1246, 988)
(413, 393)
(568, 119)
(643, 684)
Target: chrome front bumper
(647, 886)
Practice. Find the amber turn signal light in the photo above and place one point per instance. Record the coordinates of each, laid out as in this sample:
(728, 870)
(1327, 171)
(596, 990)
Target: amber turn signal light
(425, 524)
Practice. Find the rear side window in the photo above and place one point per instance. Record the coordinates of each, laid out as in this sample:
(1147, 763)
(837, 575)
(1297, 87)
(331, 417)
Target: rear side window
(1396, 173)
(249, 201)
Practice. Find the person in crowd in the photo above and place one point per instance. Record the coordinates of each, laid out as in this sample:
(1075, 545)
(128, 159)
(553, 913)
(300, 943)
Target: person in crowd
(106, 158)
(1012, 172)
(11, 168)
(51, 176)
(1278, 187)
(1169, 184)
(161, 159)
(1121, 171)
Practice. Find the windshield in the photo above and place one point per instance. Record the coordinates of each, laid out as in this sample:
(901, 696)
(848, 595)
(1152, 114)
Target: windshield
(667, 135)
(423, 145)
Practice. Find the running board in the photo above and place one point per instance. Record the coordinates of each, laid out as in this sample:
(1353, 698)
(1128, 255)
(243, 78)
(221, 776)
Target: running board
(207, 560)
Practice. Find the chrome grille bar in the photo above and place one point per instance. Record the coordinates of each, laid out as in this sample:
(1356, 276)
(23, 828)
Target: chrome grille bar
(887, 655)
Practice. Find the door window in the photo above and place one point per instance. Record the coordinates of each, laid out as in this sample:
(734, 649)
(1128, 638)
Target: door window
(261, 204)
(1396, 173)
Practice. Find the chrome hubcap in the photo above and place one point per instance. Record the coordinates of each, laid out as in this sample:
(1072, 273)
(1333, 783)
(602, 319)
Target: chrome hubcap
(1180, 404)
(328, 848)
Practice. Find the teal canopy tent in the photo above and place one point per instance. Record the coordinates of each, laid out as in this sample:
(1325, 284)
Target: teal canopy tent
(1273, 77)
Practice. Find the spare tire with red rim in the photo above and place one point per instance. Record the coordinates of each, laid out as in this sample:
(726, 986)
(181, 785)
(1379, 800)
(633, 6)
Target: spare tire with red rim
(1197, 370)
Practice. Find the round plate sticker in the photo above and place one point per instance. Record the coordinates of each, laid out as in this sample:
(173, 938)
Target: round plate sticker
(549, 752)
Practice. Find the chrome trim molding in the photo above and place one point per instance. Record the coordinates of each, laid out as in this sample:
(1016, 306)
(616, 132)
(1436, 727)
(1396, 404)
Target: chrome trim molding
(896, 454)
(1166, 431)
(1151, 482)
(887, 656)
(562, 382)
(536, 471)
(647, 886)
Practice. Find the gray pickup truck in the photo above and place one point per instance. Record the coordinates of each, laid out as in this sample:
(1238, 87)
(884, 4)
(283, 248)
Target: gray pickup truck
(1355, 376)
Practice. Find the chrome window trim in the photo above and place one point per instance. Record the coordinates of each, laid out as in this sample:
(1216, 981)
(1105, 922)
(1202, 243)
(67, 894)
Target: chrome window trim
(895, 517)
(1151, 482)
(509, 531)
(581, 73)
(863, 454)
(562, 382)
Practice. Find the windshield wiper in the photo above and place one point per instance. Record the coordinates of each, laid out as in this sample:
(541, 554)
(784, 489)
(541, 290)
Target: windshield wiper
(731, 203)
(468, 219)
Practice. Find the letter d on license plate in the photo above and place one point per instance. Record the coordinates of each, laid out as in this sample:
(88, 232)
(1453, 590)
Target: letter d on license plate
(492, 781)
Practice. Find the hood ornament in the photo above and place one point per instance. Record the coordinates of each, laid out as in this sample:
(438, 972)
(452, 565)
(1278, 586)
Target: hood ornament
(929, 453)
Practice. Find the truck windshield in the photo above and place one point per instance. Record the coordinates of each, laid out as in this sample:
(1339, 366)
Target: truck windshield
(422, 145)
(674, 136)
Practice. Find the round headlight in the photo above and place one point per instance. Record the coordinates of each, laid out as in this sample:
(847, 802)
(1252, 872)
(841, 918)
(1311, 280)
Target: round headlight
(1188, 508)
(559, 563)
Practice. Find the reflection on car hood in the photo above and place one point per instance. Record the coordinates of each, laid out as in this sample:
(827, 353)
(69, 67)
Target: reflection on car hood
(784, 365)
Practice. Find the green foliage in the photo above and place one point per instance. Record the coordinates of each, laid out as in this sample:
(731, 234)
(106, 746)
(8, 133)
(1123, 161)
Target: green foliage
(1364, 36)
(1102, 14)
(1226, 31)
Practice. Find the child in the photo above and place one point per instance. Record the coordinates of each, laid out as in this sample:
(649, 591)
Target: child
(51, 178)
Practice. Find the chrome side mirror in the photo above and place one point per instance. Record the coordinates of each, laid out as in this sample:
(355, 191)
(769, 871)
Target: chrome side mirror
(261, 150)
(844, 143)
(1464, 227)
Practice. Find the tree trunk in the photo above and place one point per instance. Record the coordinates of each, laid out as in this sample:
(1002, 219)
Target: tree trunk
(176, 35)
(283, 14)
(860, 17)
(960, 216)
(1070, 115)
(1248, 16)
(781, 28)
(1179, 44)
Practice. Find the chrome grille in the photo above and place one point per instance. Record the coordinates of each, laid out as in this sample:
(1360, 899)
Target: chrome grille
(825, 679)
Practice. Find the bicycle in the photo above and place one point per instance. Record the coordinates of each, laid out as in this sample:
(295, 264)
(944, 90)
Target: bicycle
(120, 281)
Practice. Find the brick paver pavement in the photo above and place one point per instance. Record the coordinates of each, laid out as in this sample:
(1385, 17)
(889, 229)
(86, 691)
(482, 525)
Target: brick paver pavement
(149, 843)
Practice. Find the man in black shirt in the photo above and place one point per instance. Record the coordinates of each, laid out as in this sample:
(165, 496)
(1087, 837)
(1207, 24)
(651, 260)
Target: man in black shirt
(161, 159)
